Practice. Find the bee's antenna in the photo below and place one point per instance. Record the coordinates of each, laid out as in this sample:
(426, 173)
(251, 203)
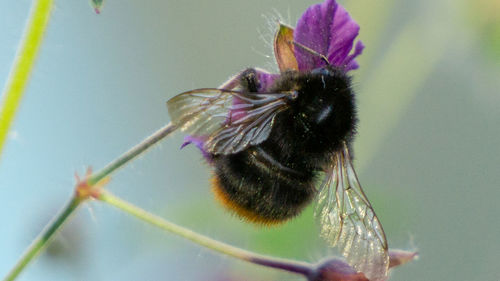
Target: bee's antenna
(312, 52)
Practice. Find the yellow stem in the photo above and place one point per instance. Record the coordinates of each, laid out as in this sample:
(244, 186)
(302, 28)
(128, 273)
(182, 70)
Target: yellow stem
(23, 64)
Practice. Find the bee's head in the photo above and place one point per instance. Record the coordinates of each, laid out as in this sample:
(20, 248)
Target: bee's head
(326, 102)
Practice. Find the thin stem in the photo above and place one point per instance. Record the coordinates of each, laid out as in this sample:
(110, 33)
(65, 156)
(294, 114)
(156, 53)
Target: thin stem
(288, 265)
(44, 238)
(131, 154)
(92, 182)
(23, 64)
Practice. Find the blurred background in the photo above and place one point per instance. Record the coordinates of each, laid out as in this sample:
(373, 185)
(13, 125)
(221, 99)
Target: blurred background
(427, 152)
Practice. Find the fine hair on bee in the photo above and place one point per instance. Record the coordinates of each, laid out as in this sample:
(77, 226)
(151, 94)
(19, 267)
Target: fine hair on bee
(273, 181)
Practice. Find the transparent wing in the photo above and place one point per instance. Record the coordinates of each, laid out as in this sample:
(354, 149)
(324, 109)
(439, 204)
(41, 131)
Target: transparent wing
(347, 220)
(229, 120)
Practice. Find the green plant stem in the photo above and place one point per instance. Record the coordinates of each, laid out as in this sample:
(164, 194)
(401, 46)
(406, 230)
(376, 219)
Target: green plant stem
(44, 238)
(131, 154)
(23, 64)
(284, 264)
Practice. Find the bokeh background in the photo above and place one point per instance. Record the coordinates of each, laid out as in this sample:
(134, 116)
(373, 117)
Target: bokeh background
(427, 153)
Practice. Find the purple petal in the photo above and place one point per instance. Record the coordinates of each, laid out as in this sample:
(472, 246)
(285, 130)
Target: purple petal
(342, 33)
(198, 141)
(328, 29)
(349, 62)
(266, 80)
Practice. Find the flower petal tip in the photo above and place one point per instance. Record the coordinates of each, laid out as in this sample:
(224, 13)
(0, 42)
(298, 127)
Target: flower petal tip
(199, 142)
(329, 30)
(400, 257)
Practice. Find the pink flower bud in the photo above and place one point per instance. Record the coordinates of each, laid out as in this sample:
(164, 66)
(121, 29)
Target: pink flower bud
(335, 270)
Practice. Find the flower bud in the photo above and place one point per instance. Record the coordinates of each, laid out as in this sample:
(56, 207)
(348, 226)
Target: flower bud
(335, 270)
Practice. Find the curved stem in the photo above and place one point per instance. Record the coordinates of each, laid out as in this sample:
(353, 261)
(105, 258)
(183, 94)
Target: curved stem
(44, 238)
(92, 181)
(283, 264)
(23, 64)
(131, 154)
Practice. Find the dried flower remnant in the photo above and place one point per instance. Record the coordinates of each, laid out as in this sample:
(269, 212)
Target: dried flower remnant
(284, 50)
(84, 190)
(262, 131)
(336, 270)
(400, 257)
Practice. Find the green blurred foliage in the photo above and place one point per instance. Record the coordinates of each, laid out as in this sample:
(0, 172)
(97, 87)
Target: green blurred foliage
(484, 17)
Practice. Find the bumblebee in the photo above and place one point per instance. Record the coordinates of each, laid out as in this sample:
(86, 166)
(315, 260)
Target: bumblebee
(275, 150)
(274, 178)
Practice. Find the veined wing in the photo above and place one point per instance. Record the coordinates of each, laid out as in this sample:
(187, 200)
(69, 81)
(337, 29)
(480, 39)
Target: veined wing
(229, 120)
(347, 219)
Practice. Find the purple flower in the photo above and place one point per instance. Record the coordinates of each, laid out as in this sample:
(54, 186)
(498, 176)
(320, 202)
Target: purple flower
(327, 29)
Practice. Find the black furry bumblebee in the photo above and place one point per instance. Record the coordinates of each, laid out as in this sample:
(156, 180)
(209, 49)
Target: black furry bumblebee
(277, 142)
(274, 179)
(271, 147)
(269, 150)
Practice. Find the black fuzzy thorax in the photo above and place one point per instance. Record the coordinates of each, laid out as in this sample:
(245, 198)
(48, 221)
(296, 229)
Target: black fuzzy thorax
(276, 179)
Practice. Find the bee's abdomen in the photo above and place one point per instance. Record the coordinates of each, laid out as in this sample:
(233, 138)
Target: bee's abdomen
(260, 189)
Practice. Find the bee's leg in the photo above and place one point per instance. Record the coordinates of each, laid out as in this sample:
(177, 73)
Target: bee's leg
(246, 79)
(249, 80)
